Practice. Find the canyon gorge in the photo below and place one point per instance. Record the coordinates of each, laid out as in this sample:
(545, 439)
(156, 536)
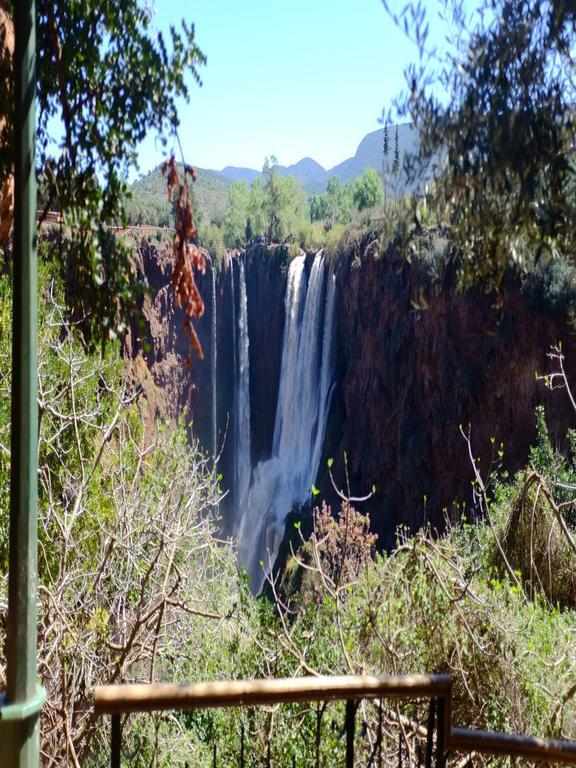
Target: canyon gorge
(363, 358)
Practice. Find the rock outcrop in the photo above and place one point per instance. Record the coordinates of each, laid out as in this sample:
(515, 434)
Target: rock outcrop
(410, 377)
(407, 377)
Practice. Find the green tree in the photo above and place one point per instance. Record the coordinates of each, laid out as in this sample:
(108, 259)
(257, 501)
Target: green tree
(319, 208)
(333, 206)
(273, 199)
(385, 154)
(284, 203)
(497, 117)
(294, 207)
(396, 164)
(106, 78)
(236, 218)
(212, 238)
(368, 190)
(340, 201)
(257, 207)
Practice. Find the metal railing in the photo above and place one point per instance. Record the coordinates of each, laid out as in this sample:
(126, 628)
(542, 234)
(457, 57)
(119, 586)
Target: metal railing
(129, 699)
(441, 738)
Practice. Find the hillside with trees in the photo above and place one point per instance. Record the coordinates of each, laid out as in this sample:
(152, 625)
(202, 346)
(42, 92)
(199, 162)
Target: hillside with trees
(137, 579)
(148, 203)
(274, 208)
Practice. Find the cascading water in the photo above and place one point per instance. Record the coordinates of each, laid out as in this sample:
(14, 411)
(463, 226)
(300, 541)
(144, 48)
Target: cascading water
(306, 379)
(235, 364)
(326, 370)
(242, 454)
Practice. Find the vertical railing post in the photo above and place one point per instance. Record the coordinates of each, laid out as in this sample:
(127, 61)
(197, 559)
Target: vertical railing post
(430, 732)
(440, 733)
(20, 710)
(115, 741)
(380, 734)
(350, 727)
(319, 713)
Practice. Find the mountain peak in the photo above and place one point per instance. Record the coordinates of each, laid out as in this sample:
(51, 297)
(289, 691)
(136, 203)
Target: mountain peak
(313, 176)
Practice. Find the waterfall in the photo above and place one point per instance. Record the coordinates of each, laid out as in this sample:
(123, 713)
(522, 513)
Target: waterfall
(327, 368)
(233, 428)
(242, 452)
(306, 381)
(213, 372)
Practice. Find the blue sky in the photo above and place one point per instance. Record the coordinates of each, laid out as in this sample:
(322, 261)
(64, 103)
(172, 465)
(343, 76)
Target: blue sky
(305, 77)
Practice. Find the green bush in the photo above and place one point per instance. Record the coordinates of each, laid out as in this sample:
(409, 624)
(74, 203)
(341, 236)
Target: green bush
(551, 284)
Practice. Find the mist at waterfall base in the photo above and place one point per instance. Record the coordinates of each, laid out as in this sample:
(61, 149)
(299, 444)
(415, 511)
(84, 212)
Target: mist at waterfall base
(264, 495)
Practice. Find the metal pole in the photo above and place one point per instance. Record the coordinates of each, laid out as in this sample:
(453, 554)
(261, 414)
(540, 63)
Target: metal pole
(350, 726)
(116, 741)
(440, 733)
(19, 713)
(430, 732)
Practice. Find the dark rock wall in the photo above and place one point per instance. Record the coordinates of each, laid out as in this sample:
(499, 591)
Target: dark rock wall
(172, 389)
(407, 377)
(266, 272)
(410, 377)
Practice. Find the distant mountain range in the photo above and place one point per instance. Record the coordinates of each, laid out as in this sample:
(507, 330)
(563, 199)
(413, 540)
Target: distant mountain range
(211, 188)
(313, 177)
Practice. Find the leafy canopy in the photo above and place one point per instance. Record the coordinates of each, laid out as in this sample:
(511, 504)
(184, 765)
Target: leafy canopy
(368, 191)
(284, 202)
(105, 78)
(496, 110)
(335, 205)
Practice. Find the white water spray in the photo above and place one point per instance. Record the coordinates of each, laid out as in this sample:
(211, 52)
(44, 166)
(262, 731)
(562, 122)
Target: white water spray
(307, 369)
(242, 453)
(235, 372)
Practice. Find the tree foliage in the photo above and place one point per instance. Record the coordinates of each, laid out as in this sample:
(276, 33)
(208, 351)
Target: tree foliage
(496, 113)
(273, 207)
(105, 78)
(335, 206)
(129, 571)
(368, 190)
(236, 218)
(148, 204)
(284, 202)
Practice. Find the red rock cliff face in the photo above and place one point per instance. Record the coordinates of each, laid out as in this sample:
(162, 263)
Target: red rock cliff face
(158, 353)
(171, 389)
(407, 377)
(410, 377)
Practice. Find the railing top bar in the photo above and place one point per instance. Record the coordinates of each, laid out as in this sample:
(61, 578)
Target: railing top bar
(111, 699)
(530, 747)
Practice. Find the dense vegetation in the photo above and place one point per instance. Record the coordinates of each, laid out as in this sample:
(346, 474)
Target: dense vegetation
(494, 110)
(135, 583)
(148, 203)
(105, 79)
(125, 530)
(273, 208)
